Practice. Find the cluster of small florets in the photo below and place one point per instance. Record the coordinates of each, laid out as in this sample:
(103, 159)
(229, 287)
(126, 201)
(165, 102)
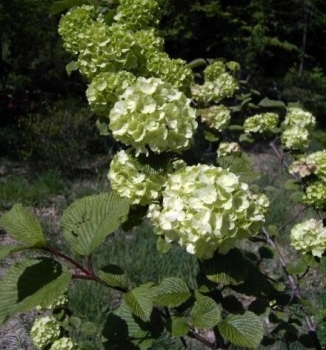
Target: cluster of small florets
(261, 123)
(206, 208)
(316, 195)
(173, 71)
(217, 117)
(304, 167)
(217, 68)
(298, 123)
(64, 344)
(105, 89)
(226, 148)
(139, 186)
(57, 303)
(45, 331)
(151, 114)
(309, 236)
(137, 14)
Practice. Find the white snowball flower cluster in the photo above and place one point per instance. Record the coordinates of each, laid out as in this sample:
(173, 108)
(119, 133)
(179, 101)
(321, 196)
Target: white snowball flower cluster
(59, 302)
(64, 344)
(226, 148)
(45, 331)
(298, 123)
(217, 117)
(261, 123)
(151, 114)
(139, 187)
(309, 236)
(206, 208)
(316, 195)
(304, 167)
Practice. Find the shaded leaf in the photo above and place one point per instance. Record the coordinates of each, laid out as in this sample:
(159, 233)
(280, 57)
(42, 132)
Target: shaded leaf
(162, 245)
(296, 197)
(197, 63)
(177, 326)
(71, 67)
(7, 250)
(89, 220)
(297, 267)
(246, 138)
(21, 225)
(64, 5)
(244, 330)
(140, 302)
(171, 292)
(114, 276)
(29, 283)
(210, 136)
(267, 103)
(205, 313)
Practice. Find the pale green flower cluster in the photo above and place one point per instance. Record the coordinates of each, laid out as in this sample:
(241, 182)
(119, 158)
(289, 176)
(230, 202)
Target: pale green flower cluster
(64, 344)
(217, 117)
(296, 116)
(226, 148)
(217, 68)
(173, 71)
(105, 89)
(206, 208)
(59, 302)
(73, 26)
(295, 137)
(261, 123)
(298, 124)
(140, 187)
(309, 236)
(151, 114)
(138, 14)
(316, 195)
(319, 159)
(304, 167)
(45, 331)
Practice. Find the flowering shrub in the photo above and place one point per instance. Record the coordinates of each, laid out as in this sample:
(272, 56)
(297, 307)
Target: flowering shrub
(261, 123)
(153, 115)
(45, 331)
(64, 344)
(217, 117)
(309, 236)
(226, 148)
(206, 208)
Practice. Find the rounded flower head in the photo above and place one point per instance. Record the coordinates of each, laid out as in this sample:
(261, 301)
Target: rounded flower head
(57, 303)
(217, 117)
(298, 117)
(261, 123)
(151, 114)
(226, 148)
(316, 195)
(138, 14)
(304, 167)
(309, 236)
(319, 159)
(139, 186)
(206, 208)
(73, 26)
(174, 71)
(105, 89)
(45, 331)
(295, 137)
(64, 344)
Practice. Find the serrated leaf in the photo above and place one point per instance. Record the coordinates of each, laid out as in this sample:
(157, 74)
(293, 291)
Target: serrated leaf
(219, 270)
(64, 5)
(205, 313)
(244, 330)
(114, 276)
(29, 283)
(71, 67)
(177, 326)
(7, 250)
(21, 225)
(171, 292)
(140, 302)
(239, 164)
(89, 220)
(267, 103)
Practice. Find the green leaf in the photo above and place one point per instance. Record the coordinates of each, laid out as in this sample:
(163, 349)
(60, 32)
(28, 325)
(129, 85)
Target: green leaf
(244, 330)
(29, 283)
(235, 127)
(114, 276)
(102, 126)
(7, 250)
(265, 253)
(140, 302)
(177, 326)
(246, 138)
(87, 328)
(64, 5)
(297, 267)
(171, 292)
(267, 103)
(219, 270)
(239, 164)
(205, 313)
(23, 226)
(197, 63)
(89, 220)
(74, 322)
(292, 185)
(296, 197)
(210, 136)
(162, 245)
